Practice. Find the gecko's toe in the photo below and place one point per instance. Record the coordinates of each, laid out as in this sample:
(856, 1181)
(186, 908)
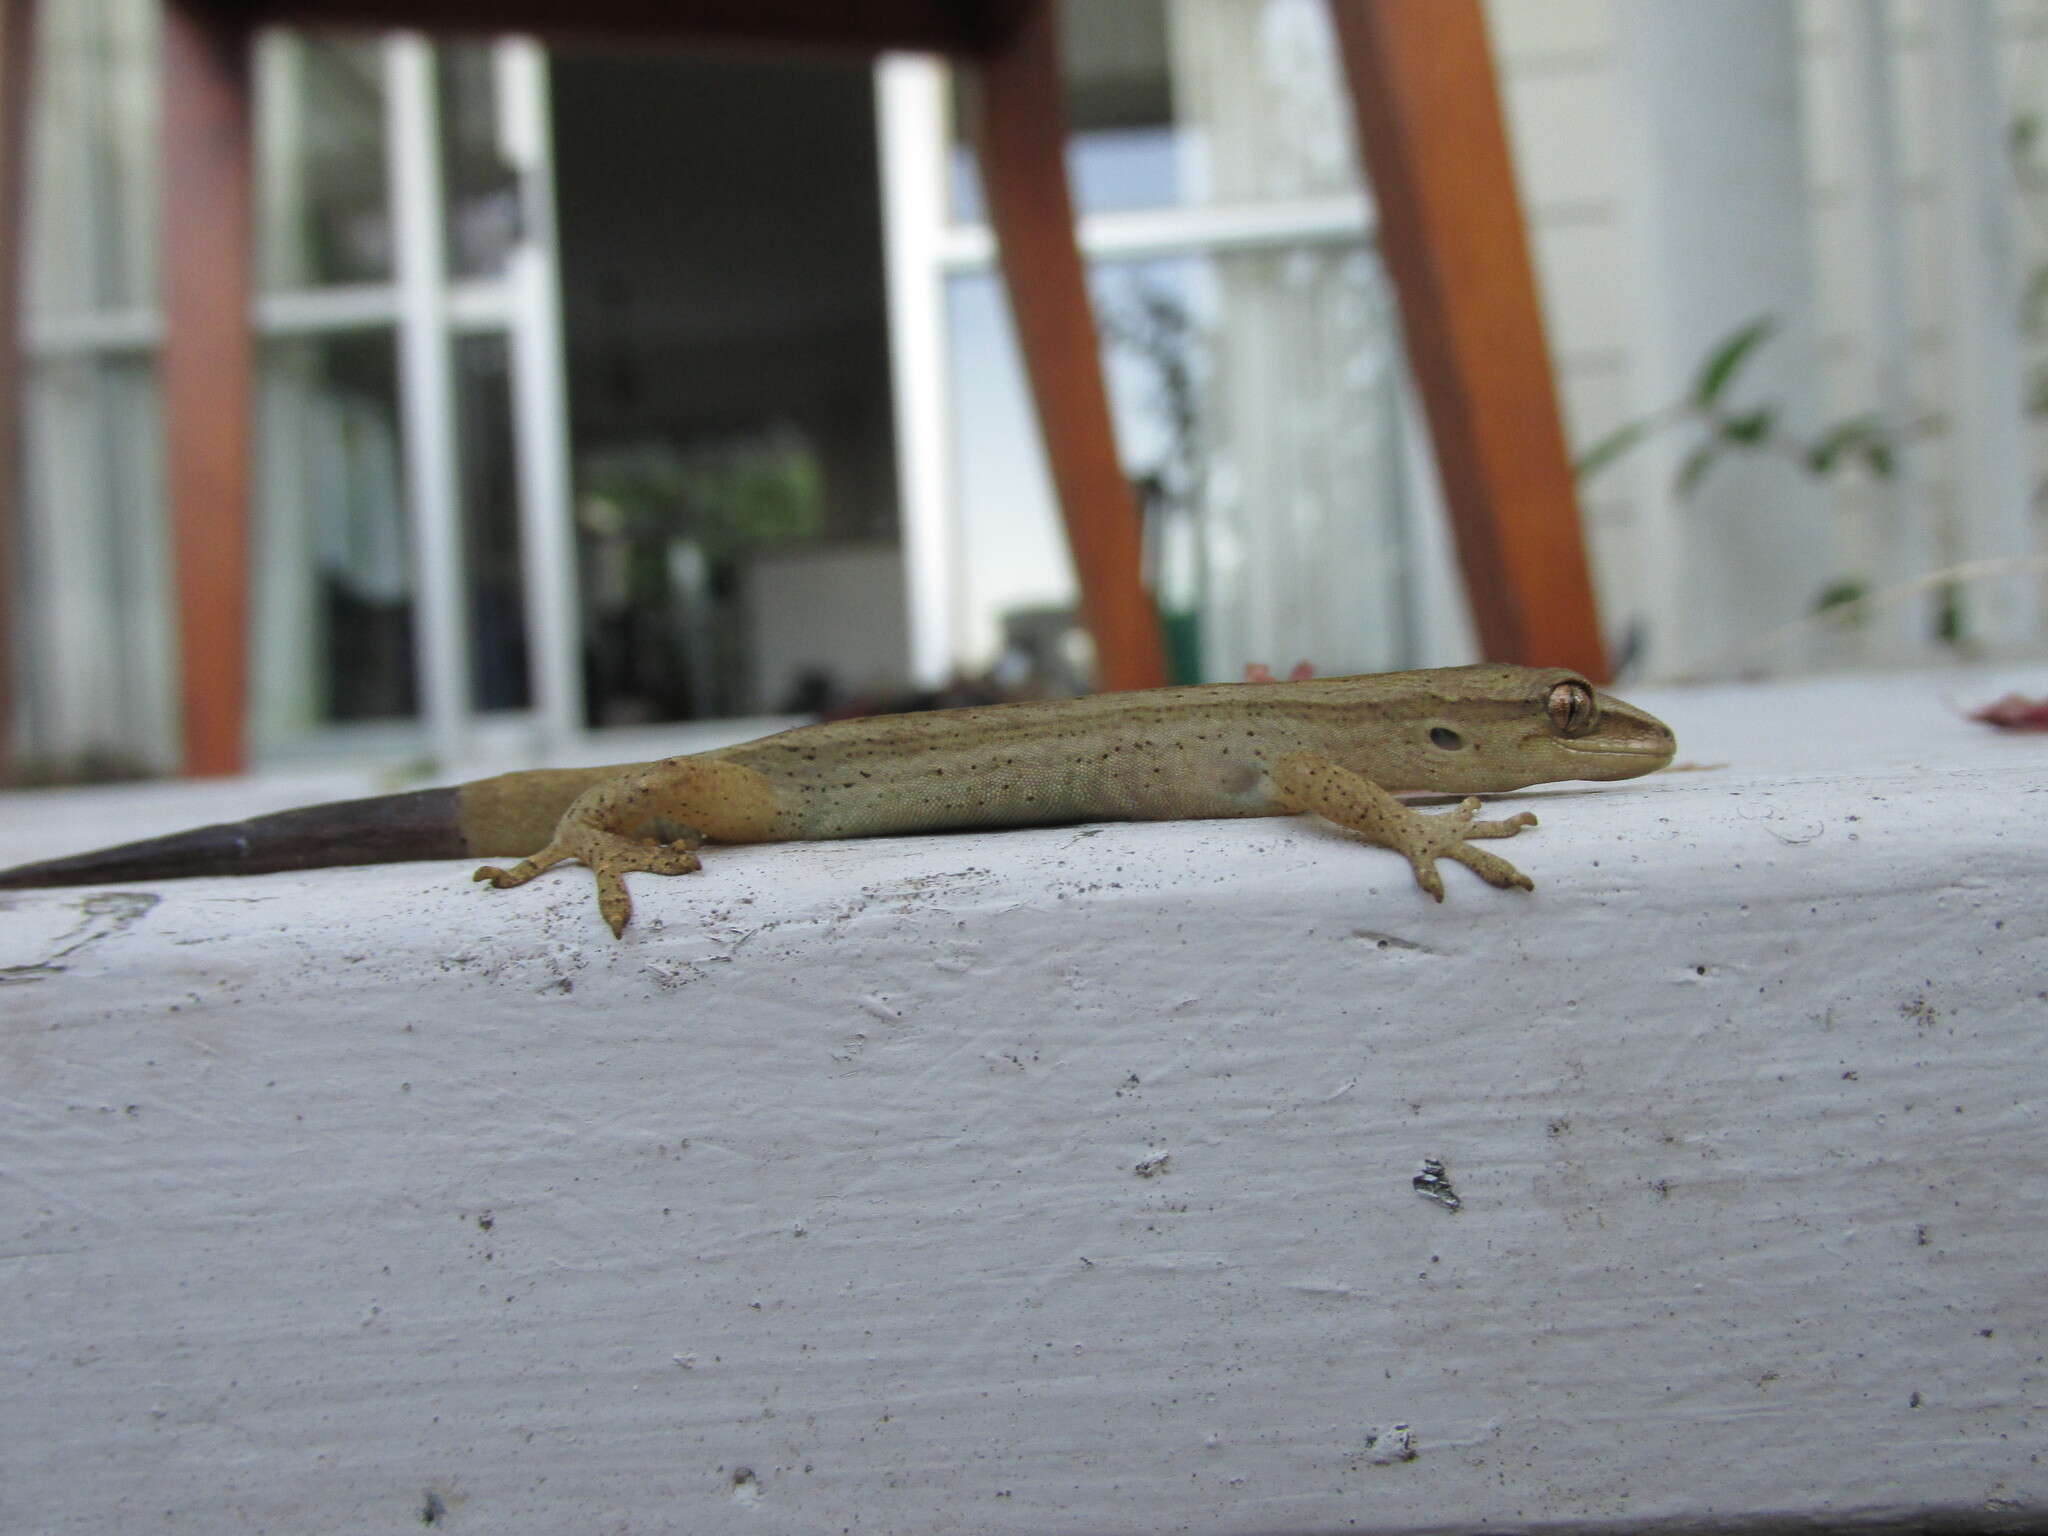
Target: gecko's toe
(675, 859)
(613, 904)
(1427, 877)
(524, 870)
(1493, 869)
(1507, 828)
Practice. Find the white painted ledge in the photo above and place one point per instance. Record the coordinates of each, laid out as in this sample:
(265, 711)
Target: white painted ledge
(1061, 1180)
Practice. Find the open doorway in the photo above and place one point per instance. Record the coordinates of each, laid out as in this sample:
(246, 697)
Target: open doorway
(728, 368)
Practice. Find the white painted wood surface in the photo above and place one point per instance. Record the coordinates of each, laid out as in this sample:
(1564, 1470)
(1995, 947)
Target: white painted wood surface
(1061, 1180)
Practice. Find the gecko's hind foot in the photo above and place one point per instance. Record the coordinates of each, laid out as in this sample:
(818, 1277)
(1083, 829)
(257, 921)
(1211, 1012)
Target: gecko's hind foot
(610, 858)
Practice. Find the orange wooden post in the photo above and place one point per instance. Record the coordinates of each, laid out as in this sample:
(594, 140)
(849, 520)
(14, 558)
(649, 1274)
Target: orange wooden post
(208, 362)
(1450, 228)
(17, 72)
(1023, 140)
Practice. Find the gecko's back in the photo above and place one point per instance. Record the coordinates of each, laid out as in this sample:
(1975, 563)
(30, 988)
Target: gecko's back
(1164, 754)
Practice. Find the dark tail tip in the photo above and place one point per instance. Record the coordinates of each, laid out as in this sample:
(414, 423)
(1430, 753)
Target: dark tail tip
(383, 829)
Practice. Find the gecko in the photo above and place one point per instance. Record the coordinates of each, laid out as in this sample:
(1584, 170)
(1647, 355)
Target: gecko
(1339, 747)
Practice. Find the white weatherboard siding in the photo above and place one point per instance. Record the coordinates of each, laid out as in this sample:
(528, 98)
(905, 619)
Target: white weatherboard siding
(1714, 91)
(1686, 168)
(1061, 1180)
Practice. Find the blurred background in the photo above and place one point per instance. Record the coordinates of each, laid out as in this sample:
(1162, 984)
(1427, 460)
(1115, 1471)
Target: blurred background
(704, 360)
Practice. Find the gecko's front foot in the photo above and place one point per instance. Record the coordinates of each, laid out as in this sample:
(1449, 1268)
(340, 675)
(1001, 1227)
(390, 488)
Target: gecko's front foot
(610, 857)
(1448, 835)
(1306, 781)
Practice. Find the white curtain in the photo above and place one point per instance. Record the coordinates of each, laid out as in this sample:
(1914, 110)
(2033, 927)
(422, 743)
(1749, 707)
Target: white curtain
(333, 512)
(1304, 483)
(92, 243)
(96, 614)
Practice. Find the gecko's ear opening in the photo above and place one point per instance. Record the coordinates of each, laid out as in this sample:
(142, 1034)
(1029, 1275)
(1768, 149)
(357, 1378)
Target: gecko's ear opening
(1443, 736)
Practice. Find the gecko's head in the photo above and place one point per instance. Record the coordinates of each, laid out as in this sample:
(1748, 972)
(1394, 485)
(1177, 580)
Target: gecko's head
(1535, 725)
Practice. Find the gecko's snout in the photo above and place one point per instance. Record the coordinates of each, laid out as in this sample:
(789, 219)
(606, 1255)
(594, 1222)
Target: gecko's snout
(1627, 742)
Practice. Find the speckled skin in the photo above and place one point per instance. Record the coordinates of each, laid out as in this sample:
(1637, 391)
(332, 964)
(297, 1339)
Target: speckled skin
(1335, 746)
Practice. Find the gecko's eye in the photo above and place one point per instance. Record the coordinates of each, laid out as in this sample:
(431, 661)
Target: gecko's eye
(1573, 709)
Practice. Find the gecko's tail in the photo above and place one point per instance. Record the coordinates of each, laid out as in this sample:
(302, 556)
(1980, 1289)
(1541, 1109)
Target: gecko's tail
(383, 829)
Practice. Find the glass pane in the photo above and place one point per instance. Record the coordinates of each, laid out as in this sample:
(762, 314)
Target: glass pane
(96, 613)
(92, 191)
(323, 209)
(1256, 400)
(334, 588)
(1016, 579)
(490, 523)
(1302, 485)
(481, 188)
(1176, 102)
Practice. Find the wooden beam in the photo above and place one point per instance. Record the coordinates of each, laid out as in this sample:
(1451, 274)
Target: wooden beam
(1451, 232)
(17, 75)
(208, 361)
(1023, 140)
(862, 28)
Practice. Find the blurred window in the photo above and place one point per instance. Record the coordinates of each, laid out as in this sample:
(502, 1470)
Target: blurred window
(1249, 340)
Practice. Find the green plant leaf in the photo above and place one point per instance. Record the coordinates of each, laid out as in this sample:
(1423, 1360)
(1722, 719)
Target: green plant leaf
(2034, 302)
(1696, 465)
(1949, 622)
(1751, 426)
(1610, 448)
(1841, 600)
(1841, 438)
(1878, 455)
(1724, 360)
